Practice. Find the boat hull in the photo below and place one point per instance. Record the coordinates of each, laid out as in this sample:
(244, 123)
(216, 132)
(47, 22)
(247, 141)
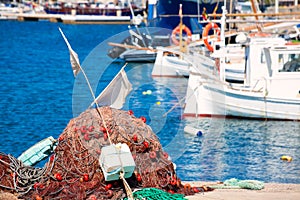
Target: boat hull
(215, 99)
(87, 9)
(134, 55)
(106, 12)
(170, 64)
(192, 9)
(94, 19)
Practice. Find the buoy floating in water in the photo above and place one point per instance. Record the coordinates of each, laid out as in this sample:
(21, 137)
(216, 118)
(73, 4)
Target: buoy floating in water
(148, 92)
(192, 131)
(286, 158)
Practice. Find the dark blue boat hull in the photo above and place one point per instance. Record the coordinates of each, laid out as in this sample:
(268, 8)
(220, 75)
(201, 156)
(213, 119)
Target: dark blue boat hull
(165, 8)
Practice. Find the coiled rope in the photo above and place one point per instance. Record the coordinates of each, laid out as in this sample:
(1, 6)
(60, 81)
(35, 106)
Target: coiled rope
(234, 183)
(155, 194)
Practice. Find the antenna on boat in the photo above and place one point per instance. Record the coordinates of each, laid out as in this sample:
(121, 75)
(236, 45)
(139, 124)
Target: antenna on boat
(222, 42)
(136, 20)
(223, 24)
(131, 10)
(182, 44)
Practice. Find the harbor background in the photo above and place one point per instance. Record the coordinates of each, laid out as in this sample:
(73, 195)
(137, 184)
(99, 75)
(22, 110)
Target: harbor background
(36, 102)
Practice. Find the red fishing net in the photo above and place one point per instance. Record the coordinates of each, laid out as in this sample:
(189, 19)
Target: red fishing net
(73, 171)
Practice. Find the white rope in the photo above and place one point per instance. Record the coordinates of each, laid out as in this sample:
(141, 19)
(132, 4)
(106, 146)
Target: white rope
(127, 187)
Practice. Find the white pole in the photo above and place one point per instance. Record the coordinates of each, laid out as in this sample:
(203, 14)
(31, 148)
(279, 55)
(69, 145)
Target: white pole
(131, 10)
(223, 24)
(276, 6)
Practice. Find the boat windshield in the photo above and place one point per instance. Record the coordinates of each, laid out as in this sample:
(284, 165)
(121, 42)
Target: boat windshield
(289, 62)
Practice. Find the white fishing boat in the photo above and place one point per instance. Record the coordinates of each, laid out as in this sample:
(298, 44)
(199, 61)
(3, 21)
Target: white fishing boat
(173, 62)
(135, 55)
(169, 63)
(140, 45)
(10, 11)
(270, 88)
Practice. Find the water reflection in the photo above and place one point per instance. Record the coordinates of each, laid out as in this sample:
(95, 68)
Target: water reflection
(244, 149)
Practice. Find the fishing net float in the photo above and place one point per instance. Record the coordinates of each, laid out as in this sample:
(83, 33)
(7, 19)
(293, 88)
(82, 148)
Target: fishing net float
(75, 170)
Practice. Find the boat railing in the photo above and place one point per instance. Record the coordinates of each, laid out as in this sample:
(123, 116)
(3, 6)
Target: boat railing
(261, 85)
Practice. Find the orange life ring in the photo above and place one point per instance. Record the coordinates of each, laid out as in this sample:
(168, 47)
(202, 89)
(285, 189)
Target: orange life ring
(206, 30)
(176, 31)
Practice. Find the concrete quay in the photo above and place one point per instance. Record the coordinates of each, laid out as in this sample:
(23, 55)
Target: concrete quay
(271, 191)
(68, 19)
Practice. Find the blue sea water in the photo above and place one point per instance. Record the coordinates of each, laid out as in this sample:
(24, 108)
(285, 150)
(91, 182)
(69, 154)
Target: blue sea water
(37, 101)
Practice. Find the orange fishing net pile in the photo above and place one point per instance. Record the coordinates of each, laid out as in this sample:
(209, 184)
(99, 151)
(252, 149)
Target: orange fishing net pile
(73, 171)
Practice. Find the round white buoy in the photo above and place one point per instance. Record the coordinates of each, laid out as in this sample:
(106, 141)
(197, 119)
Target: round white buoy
(149, 92)
(192, 131)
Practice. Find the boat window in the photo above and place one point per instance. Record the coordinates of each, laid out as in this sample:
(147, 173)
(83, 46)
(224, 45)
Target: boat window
(289, 62)
(82, 5)
(68, 5)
